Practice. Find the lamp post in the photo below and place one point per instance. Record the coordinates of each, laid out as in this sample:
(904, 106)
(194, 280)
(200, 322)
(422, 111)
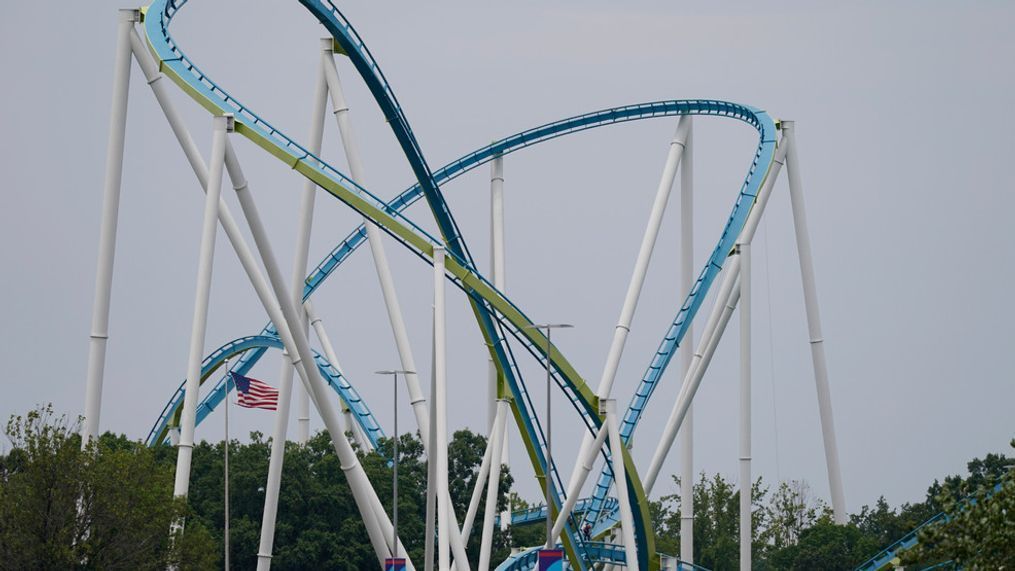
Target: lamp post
(394, 457)
(549, 327)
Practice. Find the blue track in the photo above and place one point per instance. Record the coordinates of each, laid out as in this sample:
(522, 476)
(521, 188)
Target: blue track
(494, 323)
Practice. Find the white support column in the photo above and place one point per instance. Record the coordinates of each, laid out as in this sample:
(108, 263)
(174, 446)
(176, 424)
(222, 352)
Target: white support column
(440, 410)
(99, 335)
(303, 232)
(493, 486)
(620, 476)
(648, 243)
(220, 127)
(728, 295)
(817, 341)
(375, 240)
(687, 282)
(329, 352)
(243, 252)
(634, 287)
(714, 327)
(477, 490)
(746, 479)
(377, 523)
(585, 463)
(387, 282)
(430, 532)
(496, 260)
(279, 433)
(497, 271)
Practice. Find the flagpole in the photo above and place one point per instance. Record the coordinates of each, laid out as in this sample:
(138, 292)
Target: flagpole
(226, 474)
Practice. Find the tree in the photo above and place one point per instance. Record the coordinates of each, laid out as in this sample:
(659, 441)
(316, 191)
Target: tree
(979, 532)
(109, 506)
(716, 522)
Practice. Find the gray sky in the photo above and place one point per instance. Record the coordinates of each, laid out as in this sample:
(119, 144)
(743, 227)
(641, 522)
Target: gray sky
(905, 143)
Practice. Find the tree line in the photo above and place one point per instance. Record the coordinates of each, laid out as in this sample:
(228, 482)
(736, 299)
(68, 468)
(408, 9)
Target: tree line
(111, 506)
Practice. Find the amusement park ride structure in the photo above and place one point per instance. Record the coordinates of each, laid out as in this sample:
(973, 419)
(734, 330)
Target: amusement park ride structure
(505, 328)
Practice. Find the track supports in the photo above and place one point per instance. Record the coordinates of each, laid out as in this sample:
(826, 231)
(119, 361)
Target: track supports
(497, 271)
(803, 240)
(687, 282)
(221, 125)
(440, 455)
(306, 221)
(716, 324)
(378, 525)
(743, 250)
(99, 335)
(493, 484)
(286, 388)
(648, 242)
(377, 251)
(620, 476)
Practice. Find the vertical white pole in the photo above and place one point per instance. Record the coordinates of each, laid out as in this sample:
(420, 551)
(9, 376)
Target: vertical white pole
(620, 476)
(220, 127)
(803, 241)
(394, 475)
(493, 486)
(431, 461)
(99, 335)
(687, 357)
(746, 479)
(496, 260)
(225, 468)
(634, 287)
(498, 274)
(547, 474)
(367, 502)
(306, 222)
(440, 409)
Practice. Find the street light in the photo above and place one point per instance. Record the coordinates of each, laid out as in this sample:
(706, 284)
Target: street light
(394, 454)
(549, 327)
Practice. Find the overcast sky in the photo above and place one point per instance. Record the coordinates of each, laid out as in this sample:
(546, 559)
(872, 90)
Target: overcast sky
(905, 129)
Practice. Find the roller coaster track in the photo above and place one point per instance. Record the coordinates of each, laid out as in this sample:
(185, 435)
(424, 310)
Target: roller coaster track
(496, 314)
(257, 345)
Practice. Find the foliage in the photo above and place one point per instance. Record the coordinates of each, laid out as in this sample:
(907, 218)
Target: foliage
(108, 506)
(318, 524)
(794, 531)
(980, 530)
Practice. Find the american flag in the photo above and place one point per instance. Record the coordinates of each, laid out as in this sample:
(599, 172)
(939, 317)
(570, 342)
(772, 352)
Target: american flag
(255, 394)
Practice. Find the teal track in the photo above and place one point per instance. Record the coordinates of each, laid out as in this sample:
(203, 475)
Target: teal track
(496, 315)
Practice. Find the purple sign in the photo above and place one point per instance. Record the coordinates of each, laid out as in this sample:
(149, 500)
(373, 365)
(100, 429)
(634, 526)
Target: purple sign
(394, 564)
(551, 560)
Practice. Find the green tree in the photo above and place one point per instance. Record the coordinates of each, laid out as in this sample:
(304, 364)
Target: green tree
(109, 506)
(979, 532)
(716, 522)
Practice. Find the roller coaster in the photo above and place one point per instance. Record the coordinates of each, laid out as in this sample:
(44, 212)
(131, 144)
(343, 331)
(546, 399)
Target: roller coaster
(621, 531)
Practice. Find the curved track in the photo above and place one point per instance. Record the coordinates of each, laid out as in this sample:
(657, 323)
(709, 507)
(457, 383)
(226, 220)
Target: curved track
(496, 315)
(257, 345)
